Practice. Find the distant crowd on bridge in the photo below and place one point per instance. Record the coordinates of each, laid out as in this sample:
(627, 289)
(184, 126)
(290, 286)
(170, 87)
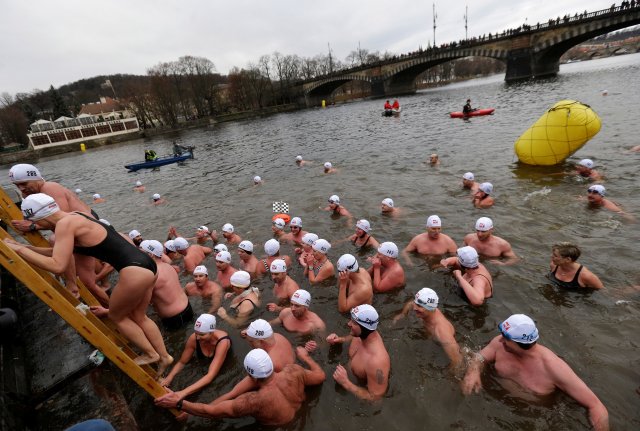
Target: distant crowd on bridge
(465, 43)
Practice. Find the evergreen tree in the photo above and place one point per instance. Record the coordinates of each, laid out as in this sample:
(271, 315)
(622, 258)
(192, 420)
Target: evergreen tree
(59, 108)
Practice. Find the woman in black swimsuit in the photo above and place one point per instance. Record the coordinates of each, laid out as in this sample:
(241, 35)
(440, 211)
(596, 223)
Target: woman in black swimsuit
(79, 233)
(208, 343)
(245, 299)
(566, 273)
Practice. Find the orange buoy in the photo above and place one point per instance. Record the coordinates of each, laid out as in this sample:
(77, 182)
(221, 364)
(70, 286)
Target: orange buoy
(285, 217)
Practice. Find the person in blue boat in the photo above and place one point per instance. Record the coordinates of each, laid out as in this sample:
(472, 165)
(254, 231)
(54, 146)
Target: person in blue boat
(150, 155)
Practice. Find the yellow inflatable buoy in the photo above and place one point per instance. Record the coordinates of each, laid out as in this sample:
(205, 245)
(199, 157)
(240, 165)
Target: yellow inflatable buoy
(559, 133)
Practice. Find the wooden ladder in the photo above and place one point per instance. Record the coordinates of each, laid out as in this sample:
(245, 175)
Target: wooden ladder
(45, 286)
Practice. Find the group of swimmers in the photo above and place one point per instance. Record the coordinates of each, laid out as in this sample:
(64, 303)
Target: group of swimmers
(148, 273)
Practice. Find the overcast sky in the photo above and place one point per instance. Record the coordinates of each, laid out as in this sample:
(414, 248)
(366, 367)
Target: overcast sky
(45, 42)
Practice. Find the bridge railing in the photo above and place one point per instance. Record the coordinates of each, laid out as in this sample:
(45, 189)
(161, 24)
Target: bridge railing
(481, 40)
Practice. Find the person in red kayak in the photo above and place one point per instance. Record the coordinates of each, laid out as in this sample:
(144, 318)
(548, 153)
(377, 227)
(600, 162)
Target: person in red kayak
(396, 104)
(466, 109)
(387, 106)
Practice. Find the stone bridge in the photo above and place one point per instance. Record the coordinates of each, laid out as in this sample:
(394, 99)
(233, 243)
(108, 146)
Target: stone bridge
(529, 52)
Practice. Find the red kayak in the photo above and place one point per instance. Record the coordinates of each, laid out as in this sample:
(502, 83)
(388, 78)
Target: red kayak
(476, 113)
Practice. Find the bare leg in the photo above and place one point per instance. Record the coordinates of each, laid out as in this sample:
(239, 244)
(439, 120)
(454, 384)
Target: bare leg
(132, 293)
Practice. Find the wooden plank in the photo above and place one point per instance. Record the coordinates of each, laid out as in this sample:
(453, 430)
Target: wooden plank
(86, 325)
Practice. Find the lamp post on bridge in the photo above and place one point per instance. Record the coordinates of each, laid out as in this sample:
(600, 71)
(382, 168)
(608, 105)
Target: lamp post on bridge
(434, 25)
(466, 16)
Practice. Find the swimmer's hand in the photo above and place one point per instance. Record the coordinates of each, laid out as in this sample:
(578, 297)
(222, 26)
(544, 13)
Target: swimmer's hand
(99, 311)
(334, 339)
(302, 353)
(14, 245)
(273, 307)
(340, 375)
(21, 225)
(222, 313)
(298, 250)
(168, 400)
(398, 317)
(228, 295)
(310, 346)
(166, 381)
(243, 333)
(471, 383)
(343, 276)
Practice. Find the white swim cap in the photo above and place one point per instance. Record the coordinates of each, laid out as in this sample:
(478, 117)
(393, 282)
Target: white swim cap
(156, 196)
(469, 176)
(220, 247)
(104, 221)
(257, 179)
(364, 225)
(246, 246)
(322, 245)
(295, 222)
(348, 262)
(279, 223)
(205, 324)
(224, 257)
(468, 257)
(299, 158)
(203, 228)
(519, 328)
(180, 243)
(388, 249)
(152, 246)
(434, 221)
(487, 188)
(301, 297)
(278, 266)
(260, 329)
(134, 233)
(309, 238)
(23, 172)
(388, 202)
(258, 364)
(587, 163)
(366, 316)
(271, 247)
(138, 183)
(200, 269)
(334, 199)
(328, 165)
(38, 206)
(240, 279)
(228, 227)
(78, 191)
(96, 196)
(427, 299)
(170, 245)
(598, 189)
(484, 224)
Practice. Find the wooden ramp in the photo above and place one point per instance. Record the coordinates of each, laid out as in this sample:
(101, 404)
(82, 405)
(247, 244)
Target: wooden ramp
(100, 334)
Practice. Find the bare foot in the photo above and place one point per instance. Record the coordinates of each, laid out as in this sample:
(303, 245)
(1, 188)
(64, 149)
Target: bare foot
(146, 359)
(164, 364)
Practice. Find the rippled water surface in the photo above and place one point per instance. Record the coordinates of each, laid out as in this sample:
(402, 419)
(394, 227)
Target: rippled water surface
(380, 157)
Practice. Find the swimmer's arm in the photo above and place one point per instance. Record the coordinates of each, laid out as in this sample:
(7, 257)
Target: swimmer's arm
(221, 350)
(335, 339)
(244, 310)
(591, 280)
(343, 306)
(404, 312)
(216, 298)
(314, 375)
(325, 272)
(406, 252)
(106, 270)
(207, 250)
(474, 293)
(377, 382)
(187, 353)
(243, 386)
(472, 381)
(452, 350)
(61, 254)
(567, 381)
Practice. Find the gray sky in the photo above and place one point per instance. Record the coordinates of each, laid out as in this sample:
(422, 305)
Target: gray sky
(44, 42)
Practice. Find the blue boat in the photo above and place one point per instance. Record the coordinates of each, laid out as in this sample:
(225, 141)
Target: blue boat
(161, 161)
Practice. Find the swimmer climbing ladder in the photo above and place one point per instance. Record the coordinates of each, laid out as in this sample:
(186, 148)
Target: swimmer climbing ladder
(52, 293)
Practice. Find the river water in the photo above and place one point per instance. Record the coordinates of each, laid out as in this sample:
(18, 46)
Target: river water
(380, 157)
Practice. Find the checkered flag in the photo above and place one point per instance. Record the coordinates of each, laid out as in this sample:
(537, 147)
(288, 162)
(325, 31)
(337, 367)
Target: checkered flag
(281, 208)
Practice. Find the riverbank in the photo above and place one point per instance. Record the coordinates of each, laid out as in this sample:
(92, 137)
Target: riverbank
(33, 155)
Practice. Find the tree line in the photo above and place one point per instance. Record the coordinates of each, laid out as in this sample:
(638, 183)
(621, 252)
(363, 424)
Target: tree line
(190, 88)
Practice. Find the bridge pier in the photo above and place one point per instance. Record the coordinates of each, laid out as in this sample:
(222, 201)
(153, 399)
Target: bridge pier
(523, 64)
